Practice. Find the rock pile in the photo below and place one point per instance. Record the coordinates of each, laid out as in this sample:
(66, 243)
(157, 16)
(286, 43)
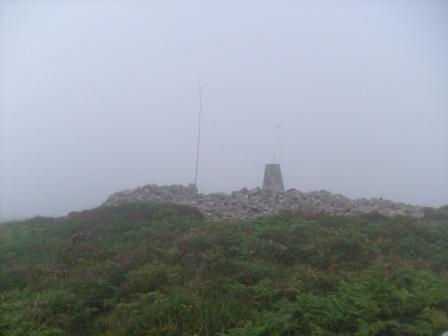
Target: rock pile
(244, 204)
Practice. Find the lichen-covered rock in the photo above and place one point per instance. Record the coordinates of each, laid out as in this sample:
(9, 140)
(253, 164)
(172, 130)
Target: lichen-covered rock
(257, 202)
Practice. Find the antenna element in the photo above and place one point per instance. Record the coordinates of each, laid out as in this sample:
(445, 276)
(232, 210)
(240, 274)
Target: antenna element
(277, 128)
(199, 135)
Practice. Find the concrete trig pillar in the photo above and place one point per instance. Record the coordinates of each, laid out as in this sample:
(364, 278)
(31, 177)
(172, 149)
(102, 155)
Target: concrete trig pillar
(273, 178)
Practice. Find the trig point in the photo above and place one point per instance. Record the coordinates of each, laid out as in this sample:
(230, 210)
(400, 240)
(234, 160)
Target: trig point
(273, 178)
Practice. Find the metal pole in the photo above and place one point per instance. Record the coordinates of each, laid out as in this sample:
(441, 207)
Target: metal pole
(199, 136)
(278, 128)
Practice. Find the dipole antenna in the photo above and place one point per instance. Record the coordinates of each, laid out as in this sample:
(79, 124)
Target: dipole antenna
(279, 142)
(199, 134)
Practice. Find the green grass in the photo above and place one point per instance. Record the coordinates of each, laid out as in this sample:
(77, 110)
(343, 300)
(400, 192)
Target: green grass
(147, 269)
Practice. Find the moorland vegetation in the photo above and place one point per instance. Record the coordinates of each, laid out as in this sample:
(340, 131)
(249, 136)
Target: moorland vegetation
(149, 269)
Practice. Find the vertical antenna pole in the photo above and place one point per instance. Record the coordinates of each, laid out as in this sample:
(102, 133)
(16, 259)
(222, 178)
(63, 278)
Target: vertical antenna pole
(279, 143)
(199, 135)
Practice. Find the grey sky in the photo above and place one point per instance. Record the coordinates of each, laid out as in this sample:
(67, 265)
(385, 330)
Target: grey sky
(98, 96)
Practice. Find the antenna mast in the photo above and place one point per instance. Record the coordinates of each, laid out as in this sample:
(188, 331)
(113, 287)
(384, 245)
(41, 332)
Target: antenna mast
(279, 142)
(199, 135)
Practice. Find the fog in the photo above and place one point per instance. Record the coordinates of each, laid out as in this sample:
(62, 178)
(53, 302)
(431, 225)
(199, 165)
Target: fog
(99, 96)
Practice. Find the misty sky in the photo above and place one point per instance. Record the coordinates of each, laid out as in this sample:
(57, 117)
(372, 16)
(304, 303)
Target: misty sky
(99, 96)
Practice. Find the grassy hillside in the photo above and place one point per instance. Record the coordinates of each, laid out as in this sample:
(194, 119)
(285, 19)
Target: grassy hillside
(162, 270)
